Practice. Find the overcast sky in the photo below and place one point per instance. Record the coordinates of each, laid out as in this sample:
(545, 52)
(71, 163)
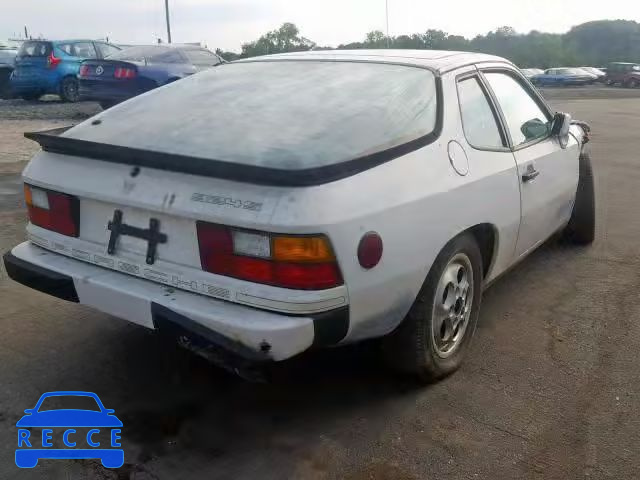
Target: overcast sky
(229, 23)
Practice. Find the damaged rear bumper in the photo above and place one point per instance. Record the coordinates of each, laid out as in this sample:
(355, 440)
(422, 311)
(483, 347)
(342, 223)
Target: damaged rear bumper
(221, 331)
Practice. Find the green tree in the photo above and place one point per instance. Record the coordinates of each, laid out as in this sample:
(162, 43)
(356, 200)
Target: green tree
(287, 38)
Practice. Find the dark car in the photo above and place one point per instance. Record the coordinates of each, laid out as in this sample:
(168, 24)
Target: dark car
(44, 66)
(7, 64)
(136, 70)
(625, 74)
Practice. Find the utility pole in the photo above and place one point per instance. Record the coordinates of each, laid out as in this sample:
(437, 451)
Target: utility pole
(166, 10)
(387, 15)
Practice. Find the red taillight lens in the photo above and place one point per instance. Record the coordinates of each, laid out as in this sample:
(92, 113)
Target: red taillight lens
(84, 70)
(258, 257)
(53, 61)
(123, 72)
(54, 211)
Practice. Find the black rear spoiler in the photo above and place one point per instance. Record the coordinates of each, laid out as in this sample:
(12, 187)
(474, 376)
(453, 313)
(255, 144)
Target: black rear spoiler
(51, 141)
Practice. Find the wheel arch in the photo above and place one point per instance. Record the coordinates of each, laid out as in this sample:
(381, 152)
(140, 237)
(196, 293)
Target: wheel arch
(486, 235)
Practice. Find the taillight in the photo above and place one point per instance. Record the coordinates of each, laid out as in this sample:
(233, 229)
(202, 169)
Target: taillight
(54, 211)
(301, 262)
(124, 72)
(53, 61)
(85, 70)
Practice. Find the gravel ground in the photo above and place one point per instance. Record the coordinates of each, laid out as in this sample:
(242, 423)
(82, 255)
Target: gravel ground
(550, 389)
(18, 116)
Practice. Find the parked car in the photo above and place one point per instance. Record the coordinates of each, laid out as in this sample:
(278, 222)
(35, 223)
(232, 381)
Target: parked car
(44, 66)
(531, 72)
(625, 74)
(7, 63)
(136, 70)
(303, 200)
(554, 77)
(600, 75)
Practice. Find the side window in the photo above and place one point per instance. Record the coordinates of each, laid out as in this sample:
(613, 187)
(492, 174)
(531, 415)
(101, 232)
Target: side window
(525, 120)
(106, 49)
(202, 58)
(83, 50)
(170, 56)
(478, 121)
(66, 48)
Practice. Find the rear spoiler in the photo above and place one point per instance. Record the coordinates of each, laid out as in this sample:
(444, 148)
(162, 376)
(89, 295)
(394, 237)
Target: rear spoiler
(52, 141)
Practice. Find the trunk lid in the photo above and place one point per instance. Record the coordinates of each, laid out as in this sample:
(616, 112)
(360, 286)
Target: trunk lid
(103, 69)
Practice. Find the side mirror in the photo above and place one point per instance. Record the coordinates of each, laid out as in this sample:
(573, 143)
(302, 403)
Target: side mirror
(29, 411)
(535, 128)
(561, 126)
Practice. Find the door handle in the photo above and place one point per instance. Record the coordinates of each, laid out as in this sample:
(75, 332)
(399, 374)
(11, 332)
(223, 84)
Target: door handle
(530, 174)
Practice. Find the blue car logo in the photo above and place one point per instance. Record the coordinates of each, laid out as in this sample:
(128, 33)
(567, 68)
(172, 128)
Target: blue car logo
(32, 447)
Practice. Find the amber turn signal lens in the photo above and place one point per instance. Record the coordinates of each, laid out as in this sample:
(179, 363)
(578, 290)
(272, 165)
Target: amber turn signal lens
(302, 249)
(27, 195)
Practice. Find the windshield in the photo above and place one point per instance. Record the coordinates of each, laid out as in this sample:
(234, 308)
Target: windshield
(280, 114)
(149, 54)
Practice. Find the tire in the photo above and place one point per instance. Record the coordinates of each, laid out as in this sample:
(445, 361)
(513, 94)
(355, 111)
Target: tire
(416, 346)
(581, 229)
(69, 90)
(633, 83)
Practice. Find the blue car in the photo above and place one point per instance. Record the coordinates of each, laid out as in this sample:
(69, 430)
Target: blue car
(29, 452)
(43, 67)
(136, 70)
(557, 77)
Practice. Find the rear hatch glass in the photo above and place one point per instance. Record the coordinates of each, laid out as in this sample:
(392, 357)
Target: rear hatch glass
(292, 115)
(34, 49)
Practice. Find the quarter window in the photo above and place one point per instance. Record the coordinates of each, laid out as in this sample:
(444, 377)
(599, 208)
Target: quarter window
(525, 119)
(478, 120)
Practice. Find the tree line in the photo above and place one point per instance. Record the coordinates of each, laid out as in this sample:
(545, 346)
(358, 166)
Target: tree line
(594, 43)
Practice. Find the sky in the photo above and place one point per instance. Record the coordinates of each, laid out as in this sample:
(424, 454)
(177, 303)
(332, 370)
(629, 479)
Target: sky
(227, 24)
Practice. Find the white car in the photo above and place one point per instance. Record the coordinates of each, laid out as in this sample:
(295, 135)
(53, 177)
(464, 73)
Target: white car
(296, 201)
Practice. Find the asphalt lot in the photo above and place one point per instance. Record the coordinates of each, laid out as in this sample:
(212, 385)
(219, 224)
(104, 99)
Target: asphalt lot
(551, 388)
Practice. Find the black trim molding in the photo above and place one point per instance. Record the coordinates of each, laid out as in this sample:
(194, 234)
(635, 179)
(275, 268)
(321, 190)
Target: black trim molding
(39, 278)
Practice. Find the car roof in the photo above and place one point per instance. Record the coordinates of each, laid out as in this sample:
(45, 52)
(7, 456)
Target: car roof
(439, 61)
(177, 46)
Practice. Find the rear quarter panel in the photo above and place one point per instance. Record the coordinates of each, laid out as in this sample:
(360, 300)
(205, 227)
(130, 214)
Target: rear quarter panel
(417, 203)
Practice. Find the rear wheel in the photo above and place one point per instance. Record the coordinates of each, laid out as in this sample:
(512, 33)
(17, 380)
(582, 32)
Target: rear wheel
(69, 90)
(581, 228)
(633, 83)
(432, 340)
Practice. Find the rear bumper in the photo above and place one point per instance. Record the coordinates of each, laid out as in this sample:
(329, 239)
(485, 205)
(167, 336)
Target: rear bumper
(219, 330)
(109, 91)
